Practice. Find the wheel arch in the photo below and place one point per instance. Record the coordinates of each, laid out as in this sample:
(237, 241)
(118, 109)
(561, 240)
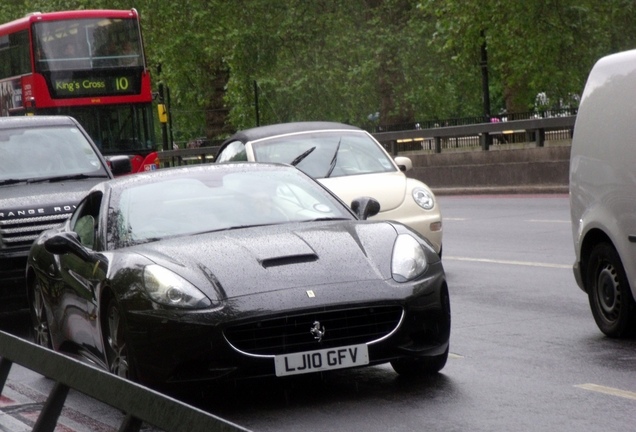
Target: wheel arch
(105, 296)
(30, 277)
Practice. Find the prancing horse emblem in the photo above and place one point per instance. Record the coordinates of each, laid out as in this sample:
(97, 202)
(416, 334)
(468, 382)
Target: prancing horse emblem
(317, 331)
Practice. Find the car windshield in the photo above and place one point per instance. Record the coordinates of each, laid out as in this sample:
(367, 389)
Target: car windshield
(217, 200)
(41, 153)
(334, 154)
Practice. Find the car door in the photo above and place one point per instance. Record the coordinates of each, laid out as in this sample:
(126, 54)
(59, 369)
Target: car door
(82, 276)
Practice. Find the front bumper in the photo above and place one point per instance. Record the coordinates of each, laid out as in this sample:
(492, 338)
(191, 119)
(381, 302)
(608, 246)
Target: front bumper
(194, 346)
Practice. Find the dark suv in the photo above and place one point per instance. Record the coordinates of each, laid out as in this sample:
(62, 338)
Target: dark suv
(47, 164)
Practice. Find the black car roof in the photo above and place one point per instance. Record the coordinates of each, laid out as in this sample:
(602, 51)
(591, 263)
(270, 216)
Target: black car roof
(286, 128)
(35, 121)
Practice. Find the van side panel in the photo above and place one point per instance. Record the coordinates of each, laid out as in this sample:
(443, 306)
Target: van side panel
(603, 159)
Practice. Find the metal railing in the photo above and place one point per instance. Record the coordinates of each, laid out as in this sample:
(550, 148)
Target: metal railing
(435, 139)
(189, 156)
(140, 404)
(459, 121)
(481, 135)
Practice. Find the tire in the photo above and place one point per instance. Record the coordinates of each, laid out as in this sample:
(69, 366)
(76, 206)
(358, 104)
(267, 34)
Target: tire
(116, 342)
(609, 293)
(409, 367)
(40, 329)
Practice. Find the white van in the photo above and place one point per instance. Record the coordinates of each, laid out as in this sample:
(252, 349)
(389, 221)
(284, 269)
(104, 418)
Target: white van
(603, 193)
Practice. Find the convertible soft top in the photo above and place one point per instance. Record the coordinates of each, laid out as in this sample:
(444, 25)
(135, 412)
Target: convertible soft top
(286, 128)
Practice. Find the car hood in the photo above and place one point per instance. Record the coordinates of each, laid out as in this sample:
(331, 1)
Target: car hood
(388, 188)
(45, 194)
(263, 259)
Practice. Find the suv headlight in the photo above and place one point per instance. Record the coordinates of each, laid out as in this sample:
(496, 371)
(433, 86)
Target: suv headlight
(169, 289)
(408, 260)
(423, 198)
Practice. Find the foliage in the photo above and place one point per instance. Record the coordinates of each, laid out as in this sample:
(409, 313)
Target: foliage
(343, 60)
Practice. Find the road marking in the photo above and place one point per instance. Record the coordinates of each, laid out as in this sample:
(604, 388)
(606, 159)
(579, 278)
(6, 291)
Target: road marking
(455, 356)
(527, 220)
(608, 390)
(520, 263)
(549, 221)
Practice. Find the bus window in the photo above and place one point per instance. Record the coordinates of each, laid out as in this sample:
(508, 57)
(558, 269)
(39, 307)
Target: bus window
(87, 44)
(116, 129)
(14, 55)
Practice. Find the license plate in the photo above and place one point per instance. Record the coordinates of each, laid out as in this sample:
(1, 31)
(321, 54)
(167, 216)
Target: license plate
(321, 360)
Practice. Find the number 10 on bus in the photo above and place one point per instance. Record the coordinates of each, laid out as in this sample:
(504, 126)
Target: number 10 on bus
(121, 84)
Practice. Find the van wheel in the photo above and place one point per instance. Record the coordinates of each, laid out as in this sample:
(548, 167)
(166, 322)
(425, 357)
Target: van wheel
(609, 293)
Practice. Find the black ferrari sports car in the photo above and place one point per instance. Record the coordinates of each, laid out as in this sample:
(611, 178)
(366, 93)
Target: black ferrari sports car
(235, 270)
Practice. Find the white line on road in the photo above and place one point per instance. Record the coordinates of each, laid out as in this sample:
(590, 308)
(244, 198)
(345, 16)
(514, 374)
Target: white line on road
(521, 263)
(549, 221)
(527, 220)
(608, 390)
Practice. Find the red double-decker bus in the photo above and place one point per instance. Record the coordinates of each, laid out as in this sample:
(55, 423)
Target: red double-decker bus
(88, 64)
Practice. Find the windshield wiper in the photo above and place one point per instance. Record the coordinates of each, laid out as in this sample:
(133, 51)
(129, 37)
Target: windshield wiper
(66, 177)
(302, 156)
(11, 181)
(334, 159)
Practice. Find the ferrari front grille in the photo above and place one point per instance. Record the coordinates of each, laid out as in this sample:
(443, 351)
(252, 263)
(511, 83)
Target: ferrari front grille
(293, 333)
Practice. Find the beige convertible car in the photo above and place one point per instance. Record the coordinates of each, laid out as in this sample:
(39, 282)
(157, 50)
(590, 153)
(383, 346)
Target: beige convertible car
(349, 162)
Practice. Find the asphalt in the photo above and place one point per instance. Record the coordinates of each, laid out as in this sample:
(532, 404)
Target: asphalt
(20, 407)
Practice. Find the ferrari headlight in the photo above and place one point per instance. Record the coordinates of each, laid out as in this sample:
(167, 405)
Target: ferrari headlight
(169, 289)
(423, 198)
(409, 259)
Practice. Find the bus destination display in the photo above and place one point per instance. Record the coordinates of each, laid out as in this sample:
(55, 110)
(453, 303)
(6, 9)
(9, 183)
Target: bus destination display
(120, 84)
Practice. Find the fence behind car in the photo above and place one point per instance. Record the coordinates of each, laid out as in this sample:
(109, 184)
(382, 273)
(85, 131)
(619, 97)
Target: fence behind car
(187, 156)
(477, 136)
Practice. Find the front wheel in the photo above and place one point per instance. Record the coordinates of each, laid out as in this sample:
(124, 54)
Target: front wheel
(115, 337)
(421, 366)
(609, 293)
(40, 329)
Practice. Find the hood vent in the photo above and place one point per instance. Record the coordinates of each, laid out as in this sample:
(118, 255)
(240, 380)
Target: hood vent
(287, 260)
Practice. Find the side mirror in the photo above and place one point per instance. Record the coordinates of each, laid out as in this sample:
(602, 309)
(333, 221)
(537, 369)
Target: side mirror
(365, 207)
(404, 163)
(119, 165)
(67, 242)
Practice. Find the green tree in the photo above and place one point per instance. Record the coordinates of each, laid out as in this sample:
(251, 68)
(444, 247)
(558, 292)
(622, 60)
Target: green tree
(534, 46)
(342, 60)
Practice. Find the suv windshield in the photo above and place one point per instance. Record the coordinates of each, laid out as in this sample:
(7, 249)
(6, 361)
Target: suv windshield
(326, 154)
(46, 153)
